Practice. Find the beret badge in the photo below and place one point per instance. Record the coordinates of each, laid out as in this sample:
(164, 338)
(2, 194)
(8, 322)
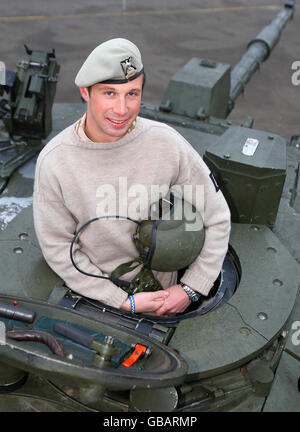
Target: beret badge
(128, 68)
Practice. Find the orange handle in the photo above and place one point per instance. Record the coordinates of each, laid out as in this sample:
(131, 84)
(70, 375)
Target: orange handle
(137, 352)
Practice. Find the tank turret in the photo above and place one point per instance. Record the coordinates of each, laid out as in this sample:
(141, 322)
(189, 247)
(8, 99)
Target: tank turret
(244, 161)
(205, 88)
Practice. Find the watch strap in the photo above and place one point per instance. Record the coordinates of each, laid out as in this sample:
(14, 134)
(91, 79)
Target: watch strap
(193, 295)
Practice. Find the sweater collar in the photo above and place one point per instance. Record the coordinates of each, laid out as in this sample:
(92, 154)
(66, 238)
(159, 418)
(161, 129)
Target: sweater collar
(84, 141)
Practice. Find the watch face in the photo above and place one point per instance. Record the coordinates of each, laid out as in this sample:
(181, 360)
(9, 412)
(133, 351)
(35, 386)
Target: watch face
(196, 297)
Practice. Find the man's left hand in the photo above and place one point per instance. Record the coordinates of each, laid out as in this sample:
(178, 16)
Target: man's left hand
(176, 302)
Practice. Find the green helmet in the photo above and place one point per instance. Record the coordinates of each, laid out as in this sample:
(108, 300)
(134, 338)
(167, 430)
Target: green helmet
(170, 240)
(173, 237)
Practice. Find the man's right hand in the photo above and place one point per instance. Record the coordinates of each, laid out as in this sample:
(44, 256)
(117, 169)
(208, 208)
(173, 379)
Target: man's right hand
(147, 301)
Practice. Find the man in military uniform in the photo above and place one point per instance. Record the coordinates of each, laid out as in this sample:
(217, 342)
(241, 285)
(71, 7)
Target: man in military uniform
(111, 142)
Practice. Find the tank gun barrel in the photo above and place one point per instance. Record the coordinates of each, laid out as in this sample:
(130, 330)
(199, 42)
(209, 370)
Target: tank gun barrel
(258, 50)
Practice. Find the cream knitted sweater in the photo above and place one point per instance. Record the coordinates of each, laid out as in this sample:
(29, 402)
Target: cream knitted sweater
(76, 179)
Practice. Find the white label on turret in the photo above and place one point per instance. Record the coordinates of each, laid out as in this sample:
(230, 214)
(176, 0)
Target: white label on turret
(250, 146)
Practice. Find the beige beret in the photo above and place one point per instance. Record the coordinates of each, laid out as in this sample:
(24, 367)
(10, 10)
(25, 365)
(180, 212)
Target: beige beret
(115, 61)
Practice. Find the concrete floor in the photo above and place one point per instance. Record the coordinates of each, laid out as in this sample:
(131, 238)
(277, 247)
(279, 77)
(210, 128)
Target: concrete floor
(169, 33)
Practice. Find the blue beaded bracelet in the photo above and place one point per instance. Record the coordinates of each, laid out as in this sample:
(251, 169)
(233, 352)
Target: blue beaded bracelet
(132, 304)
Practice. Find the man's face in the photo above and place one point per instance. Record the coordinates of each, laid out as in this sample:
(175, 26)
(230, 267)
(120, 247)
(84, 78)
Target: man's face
(111, 109)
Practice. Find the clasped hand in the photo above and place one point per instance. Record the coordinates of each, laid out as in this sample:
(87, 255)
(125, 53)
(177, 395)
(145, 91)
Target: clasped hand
(164, 302)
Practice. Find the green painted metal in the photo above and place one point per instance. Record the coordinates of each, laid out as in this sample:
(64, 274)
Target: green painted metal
(26, 113)
(31, 96)
(200, 89)
(249, 163)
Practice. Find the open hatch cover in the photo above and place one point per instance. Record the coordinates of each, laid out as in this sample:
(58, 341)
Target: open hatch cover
(93, 352)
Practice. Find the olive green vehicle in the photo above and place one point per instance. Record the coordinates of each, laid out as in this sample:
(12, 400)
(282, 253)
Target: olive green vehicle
(237, 350)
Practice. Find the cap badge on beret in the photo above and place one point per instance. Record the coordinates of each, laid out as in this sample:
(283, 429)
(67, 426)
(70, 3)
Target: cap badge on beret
(128, 68)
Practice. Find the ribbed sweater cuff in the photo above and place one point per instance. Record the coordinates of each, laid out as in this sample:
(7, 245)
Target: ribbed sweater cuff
(116, 298)
(196, 282)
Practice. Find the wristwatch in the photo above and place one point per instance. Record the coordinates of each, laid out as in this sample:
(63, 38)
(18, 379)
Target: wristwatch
(193, 295)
